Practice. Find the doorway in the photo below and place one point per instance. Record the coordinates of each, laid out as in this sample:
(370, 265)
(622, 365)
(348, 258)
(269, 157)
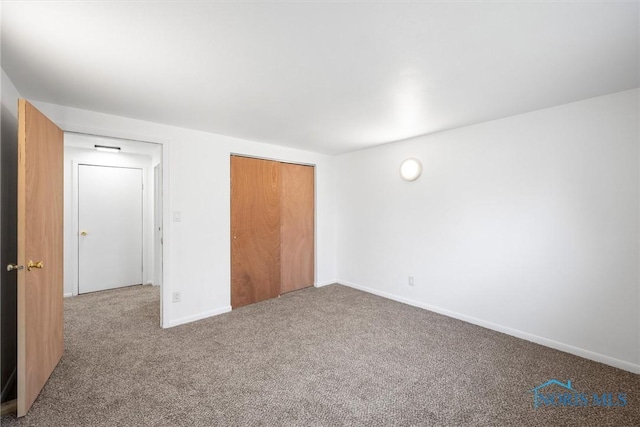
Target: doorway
(135, 164)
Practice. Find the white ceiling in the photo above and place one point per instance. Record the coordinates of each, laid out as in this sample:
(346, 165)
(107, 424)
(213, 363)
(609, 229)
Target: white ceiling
(330, 77)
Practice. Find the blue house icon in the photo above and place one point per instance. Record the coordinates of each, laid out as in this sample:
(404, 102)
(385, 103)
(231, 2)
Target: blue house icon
(536, 391)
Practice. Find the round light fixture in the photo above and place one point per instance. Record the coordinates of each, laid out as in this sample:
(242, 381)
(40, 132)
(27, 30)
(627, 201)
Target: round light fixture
(411, 169)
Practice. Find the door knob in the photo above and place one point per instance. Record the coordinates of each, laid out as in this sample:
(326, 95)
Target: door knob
(11, 267)
(83, 233)
(32, 264)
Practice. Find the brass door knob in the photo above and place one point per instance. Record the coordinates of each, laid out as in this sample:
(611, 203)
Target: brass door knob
(83, 233)
(32, 264)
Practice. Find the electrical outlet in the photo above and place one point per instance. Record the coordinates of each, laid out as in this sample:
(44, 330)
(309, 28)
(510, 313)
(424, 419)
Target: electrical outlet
(410, 280)
(176, 297)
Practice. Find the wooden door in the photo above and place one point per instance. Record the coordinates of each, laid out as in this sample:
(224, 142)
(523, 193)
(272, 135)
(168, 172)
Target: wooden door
(40, 288)
(255, 230)
(297, 227)
(110, 225)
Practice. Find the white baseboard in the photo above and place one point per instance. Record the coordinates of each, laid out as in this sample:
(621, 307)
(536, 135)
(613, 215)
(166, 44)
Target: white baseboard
(577, 351)
(68, 295)
(321, 284)
(199, 316)
(8, 384)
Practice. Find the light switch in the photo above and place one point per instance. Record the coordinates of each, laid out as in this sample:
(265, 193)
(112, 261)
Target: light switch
(177, 216)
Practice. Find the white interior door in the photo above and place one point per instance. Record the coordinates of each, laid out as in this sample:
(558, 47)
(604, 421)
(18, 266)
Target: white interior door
(110, 227)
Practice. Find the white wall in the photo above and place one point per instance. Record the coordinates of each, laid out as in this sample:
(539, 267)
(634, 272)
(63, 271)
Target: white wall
(529, 225)
(93, 157)
(197, 182)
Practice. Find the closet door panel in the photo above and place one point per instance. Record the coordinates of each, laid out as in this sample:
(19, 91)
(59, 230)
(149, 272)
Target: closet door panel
(255, 230)
(297, 227)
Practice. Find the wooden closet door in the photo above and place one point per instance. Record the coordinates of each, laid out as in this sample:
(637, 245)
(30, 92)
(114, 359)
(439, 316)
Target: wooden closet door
(297, 227)
(255, 230)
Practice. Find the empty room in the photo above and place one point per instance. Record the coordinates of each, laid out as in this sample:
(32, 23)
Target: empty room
(319, 213)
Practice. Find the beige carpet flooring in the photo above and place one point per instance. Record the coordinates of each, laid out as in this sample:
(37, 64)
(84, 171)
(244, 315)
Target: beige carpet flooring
(318, 357)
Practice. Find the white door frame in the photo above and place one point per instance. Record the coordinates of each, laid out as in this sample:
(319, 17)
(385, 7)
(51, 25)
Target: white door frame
(165, 291)
(75, 216)
(157, 223)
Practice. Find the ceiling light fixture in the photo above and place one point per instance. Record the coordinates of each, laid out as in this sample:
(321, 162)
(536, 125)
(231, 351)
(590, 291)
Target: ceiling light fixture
(410, 169)
(107, 148)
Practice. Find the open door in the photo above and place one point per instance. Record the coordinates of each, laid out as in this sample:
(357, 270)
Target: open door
(40, 247)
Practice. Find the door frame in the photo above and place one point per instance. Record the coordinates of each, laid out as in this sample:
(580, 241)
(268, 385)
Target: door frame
(157, 222)
(75, 216)
(165, 287)
(315, 208)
